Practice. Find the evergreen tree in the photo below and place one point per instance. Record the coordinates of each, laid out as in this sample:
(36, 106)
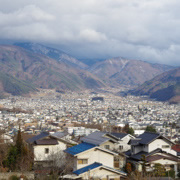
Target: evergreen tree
(10, 162)
(150, 129)
(131, 131)
(19, 143)
(19, 156)
(128, 130)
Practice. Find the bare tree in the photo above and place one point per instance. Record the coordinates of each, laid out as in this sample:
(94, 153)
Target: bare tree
(57, 164)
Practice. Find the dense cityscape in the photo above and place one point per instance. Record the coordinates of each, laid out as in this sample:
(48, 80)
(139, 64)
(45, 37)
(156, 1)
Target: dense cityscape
(53, 111)
(73, 115)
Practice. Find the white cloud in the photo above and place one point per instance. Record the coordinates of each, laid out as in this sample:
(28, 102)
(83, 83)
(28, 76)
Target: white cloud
(138, 29)
(91, 36)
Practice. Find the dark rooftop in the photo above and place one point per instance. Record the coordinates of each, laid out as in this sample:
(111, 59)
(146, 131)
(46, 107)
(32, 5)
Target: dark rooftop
(134, 141)
(95, 138)
(59, 134)
(46, 142)
(40, 136)
(148, 137)
(138, 156)
(119, 135)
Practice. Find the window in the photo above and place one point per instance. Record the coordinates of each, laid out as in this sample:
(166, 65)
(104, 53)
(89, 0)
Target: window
(82, 161)
(165, 146)
(46, 150)
(120, 147)
(106, 146)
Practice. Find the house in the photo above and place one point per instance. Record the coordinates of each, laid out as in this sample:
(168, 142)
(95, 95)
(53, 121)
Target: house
(97, 171)
(155, 148)
(48, 148)
(123, 139)
(5, 138)
(101, 139)
(94, 158)
(176, 148)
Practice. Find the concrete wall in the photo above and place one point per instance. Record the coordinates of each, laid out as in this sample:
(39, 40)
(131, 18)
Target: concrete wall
(6, 176)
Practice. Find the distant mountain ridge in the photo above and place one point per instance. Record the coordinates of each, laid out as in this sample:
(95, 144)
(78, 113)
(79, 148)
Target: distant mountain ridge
(119, 71)
(52, 53)
(164, 87)
(113, 72)
(14, 86)
(44, 72)
(45, 67)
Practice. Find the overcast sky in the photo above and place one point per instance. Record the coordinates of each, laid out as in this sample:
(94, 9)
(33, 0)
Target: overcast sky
(138, 29)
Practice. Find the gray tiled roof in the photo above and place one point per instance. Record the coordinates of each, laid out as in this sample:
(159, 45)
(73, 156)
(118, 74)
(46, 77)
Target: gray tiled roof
(134, 142)
(148, 137)
(35, 138)
(46, 142)
(95, 138)
(138, 156)
(119, 135)
(128, 153)
(59, 134)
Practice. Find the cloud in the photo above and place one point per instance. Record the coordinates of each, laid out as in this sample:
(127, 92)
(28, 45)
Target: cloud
(136, 29)
(91, 36)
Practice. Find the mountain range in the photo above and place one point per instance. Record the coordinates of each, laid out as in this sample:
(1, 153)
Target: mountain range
(34, 66)
(53, 53)
(14, 86)
(113, 72)
(119, 71)
(44, 72)
(164, 87)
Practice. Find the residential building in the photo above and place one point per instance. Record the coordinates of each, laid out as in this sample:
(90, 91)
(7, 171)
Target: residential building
(48, 148)
(154, 148)
(95, 158)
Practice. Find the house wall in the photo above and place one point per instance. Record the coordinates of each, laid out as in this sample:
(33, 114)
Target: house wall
(111, 145)
(95, 156)
(145, 148)
(39, 151)
(158, 143)
(124, 142)
(136, 149)
(164, 162)
(100, 174)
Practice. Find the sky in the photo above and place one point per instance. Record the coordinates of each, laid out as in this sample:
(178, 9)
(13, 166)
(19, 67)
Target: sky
(146, 30)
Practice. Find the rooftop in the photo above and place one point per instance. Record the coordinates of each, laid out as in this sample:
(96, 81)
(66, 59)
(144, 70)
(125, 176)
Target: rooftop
(79, 148)
(87, 168)
(119, 135)
(35, 138)
(95, 138)
(148, 137)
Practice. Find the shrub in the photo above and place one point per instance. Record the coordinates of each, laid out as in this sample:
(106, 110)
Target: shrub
(13, 177)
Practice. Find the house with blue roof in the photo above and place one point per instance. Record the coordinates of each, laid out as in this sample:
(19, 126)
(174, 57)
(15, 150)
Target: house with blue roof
(94, 157)
(156, 149)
